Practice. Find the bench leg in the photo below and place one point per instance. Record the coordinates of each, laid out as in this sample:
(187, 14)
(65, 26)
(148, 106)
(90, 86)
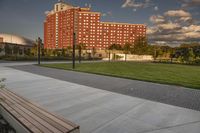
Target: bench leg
(12, 121)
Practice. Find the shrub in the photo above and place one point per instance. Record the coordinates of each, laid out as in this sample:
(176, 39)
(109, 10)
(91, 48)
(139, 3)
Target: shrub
(1, 83)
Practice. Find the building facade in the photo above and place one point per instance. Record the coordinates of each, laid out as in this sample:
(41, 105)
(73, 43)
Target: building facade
(14, 45)
(65, 19)
(1, 39)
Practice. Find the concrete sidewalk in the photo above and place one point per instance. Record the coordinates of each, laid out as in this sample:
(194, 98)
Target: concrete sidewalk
(168, 94)
(101, 111)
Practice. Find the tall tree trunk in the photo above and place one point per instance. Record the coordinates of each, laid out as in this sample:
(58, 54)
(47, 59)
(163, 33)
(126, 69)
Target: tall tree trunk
(109, 56)
(80, 55)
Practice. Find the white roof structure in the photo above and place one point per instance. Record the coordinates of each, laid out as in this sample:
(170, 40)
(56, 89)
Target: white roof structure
(15, 39)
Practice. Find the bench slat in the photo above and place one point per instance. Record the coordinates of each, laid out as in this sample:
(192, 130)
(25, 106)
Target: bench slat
(20, 118)
(39, 123)
(33, 117)
(60, 124)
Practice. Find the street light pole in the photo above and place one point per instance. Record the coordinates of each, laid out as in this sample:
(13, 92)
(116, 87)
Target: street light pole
(39, 41)
(74, 41)
(74, 44)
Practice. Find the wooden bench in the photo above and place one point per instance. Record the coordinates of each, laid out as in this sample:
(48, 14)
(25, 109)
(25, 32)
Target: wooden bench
(31, 117)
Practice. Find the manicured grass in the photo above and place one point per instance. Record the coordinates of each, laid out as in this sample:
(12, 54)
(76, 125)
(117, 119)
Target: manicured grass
(181, 75)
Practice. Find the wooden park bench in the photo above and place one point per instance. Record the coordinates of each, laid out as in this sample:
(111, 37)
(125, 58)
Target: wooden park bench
(26, 117)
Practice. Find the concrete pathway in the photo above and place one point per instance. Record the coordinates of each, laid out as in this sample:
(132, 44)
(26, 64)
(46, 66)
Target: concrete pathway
(100, 111)
(169, 94)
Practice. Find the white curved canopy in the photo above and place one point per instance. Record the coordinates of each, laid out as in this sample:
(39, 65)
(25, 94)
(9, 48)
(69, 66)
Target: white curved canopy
(9, 38)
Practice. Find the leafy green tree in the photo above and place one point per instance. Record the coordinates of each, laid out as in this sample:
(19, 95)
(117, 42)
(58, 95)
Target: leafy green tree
(34, 50)
(69, 51)
(140, 46)
(27, 52)
(127, 49)
(113, 48)
(94, 51)
(191, 55)
(63, 52)
(197, 51)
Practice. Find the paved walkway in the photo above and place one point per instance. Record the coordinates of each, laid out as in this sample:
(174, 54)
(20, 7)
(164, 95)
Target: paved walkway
(101, 111)
(173, 95)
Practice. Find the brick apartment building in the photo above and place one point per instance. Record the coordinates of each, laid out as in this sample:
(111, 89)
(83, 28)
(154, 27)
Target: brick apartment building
(65, 19)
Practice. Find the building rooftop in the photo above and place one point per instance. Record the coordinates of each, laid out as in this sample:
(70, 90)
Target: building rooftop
(16, 39)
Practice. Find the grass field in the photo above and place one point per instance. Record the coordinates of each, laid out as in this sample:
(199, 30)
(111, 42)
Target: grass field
(181, 75)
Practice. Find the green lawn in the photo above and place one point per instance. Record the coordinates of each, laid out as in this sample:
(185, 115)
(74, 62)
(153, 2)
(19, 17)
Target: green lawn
(182, 75)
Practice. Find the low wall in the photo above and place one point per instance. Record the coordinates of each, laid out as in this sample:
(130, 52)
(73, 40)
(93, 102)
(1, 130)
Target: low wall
(130, 57)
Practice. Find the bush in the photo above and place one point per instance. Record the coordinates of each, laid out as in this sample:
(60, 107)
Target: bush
(43, 58)
(1, 83)
(197, 61)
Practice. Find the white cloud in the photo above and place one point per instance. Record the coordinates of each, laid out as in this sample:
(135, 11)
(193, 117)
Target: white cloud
(88, 5)
(46, 12)
(174, 31)
(157, 19)
(190, 3)
(177, 13)
(156, 8)
(169, 26)
(107, 14)
(151, 30)
(136, 4)
(186, 19)
(134, 10)
(132, 3)
(191, 28)
(192, 35)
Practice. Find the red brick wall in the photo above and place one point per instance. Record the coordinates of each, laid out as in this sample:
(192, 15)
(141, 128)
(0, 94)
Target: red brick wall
(89, 29)
(50, 32)
(88, 24)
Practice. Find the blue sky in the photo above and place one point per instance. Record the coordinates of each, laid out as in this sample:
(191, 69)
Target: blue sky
(25, 17)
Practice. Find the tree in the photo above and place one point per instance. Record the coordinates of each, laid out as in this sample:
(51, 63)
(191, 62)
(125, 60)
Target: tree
(8, 50)
(140, 46)
(16, 50)
(34, 50)
(57, 52)
(80, 47)
(27, 52)
(69, 50)
(93, 52)
(191, 55)
(127, 49)
(114, 47)
(63, 52)
(1, 83)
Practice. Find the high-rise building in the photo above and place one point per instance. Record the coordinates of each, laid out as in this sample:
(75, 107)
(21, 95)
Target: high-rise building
(65, 19)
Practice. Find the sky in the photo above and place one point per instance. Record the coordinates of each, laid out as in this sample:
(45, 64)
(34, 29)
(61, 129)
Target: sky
(168, 21)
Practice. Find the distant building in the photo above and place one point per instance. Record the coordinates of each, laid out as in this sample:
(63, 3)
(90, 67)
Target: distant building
(65, 19)
(10, 42)
(1, 39)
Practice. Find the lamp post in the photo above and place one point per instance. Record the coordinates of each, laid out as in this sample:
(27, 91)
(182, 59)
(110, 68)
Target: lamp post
(74, 45)
(39, 42)
(74, 41)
